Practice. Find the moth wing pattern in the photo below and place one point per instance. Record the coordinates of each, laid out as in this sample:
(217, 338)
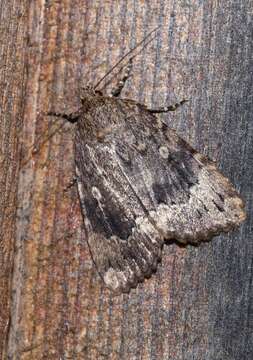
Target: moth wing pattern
(140, 184)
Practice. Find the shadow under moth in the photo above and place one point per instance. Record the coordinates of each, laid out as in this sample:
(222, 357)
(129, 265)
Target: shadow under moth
(140, 184)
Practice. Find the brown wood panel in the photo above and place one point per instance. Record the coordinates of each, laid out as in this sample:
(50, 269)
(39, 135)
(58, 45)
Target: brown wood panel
(13, 37)
(198, 305)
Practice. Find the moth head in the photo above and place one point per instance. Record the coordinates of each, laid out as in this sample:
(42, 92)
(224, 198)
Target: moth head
(88, 92)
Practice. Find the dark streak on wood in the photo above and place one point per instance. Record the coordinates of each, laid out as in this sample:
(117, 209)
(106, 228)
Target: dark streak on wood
(199, 304)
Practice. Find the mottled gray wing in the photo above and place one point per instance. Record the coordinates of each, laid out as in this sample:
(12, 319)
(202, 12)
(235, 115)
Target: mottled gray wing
(142, 184)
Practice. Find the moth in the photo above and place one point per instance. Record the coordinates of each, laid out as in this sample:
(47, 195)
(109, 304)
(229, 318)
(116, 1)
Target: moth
(140, 184)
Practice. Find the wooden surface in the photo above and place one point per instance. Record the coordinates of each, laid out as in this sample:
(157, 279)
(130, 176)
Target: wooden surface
(53, 305)
(12, 87)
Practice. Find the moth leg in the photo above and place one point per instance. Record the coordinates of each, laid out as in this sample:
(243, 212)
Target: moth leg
(167, 108)
(118, 88)
(70, 184)
(71, 117)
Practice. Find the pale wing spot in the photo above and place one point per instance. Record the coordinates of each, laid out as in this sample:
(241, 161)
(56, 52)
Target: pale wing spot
(78, 172)
(141, 147)
(80, 191)
(145, 226)
(116, 279)
(164, 152)
(111, 279)
(79, 185)
(96, 193)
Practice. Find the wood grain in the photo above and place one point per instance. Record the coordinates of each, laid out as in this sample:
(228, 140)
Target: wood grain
(199, 303)
(13, 33)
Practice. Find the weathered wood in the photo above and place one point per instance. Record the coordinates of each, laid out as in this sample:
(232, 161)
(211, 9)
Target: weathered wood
(13, 19)
(199, 303)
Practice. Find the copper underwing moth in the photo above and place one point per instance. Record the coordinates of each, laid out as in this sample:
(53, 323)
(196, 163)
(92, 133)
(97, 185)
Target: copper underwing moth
(140, 184)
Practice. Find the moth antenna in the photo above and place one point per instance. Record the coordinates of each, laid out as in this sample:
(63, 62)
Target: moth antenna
(124, 56)
(35, 149)
(131, 59)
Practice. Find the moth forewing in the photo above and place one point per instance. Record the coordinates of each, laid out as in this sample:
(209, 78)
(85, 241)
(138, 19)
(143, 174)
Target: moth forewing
(134, 197)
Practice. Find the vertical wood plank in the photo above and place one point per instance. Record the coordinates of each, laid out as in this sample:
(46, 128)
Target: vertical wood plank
(13, 37)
